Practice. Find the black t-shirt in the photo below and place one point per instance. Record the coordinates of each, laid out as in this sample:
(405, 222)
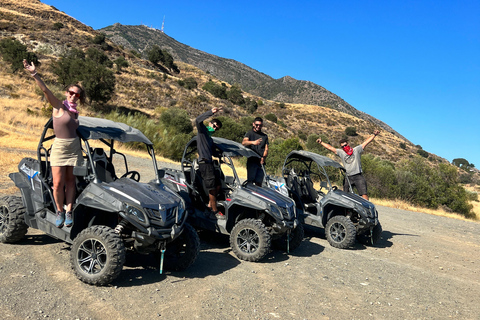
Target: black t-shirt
(252, 136)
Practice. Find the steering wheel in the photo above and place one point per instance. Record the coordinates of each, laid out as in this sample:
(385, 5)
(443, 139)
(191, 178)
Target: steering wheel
(132, 175)
(334, 188)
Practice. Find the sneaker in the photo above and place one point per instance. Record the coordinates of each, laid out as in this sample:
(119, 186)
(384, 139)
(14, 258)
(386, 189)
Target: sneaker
(60, 219)
(68, 219)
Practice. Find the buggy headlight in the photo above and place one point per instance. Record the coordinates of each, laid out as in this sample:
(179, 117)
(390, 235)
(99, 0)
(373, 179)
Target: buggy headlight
(136, 212)
(276, 212)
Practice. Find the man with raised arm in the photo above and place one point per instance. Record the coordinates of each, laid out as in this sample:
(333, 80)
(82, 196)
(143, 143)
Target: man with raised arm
(351, 159)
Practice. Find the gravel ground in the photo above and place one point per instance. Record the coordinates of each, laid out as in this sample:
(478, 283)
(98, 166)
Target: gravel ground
(424, 267)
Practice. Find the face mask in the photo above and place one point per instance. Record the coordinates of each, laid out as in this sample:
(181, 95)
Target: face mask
(348, 149)
(210, 131)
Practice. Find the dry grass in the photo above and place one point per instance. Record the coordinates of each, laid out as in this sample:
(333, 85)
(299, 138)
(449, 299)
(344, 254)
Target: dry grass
(398, 204)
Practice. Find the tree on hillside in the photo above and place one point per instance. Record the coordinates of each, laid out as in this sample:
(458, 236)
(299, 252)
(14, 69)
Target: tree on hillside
(92, 70)
(155, 55)
(462, 163)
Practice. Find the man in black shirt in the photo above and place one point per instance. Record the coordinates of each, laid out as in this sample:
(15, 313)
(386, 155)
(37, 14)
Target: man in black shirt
(205, 149)
(256, 140)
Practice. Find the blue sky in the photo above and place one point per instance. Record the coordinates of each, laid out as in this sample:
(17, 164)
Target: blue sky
(413, 64)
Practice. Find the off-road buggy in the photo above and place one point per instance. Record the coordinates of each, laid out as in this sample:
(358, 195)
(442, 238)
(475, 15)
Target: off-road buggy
(111, 214)
(346, 216)
(255, 216)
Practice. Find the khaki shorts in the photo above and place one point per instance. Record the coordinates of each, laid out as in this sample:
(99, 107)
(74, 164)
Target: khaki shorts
(66, 152)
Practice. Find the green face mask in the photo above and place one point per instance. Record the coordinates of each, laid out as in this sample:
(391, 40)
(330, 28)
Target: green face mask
(210, 131)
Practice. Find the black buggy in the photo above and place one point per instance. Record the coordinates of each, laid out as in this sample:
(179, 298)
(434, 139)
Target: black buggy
(346, 216)
(112, 213)
(256, 217)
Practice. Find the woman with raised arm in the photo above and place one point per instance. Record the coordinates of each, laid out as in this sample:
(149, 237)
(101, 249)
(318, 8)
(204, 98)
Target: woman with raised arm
(66, 149)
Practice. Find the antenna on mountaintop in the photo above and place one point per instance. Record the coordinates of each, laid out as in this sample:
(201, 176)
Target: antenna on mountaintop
(163, 23)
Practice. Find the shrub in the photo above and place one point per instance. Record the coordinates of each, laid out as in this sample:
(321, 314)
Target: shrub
(403, 145)
(351, 131)
(216, 90)
(251, 105)
(92, 70)
(98, 39)
(271, 117)
(190, 83)
(177, 120)
(277, 152)
(231, 129)
(13, 52)
(422, 153)
(57, 26)
(121, 63)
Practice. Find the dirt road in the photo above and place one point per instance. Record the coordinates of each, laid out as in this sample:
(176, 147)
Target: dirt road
(424, 267)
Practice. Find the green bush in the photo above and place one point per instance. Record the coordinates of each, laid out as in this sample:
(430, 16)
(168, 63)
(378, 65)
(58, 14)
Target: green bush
(13, 52)
(403, 145)
(271, 117)
(251, 105)
(121, 63)
(422, 153)
(278, 151)
(92, 70)
(231, 129)
(351, 131)
(417, 182)
(177, 120)
(190, 83)
(98, 39)
(234, 95)
(216, 90)
(57, 26)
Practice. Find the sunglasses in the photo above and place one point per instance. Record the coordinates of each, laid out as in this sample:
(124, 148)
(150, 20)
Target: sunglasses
(214, 126)
(258, 124)
(73, 93)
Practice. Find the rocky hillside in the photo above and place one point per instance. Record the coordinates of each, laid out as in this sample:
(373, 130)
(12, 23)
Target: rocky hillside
(286, 89)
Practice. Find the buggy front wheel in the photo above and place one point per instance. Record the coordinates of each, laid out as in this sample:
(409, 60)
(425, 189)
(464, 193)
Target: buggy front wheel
(341, 232)
(98, 255)
(250, 240)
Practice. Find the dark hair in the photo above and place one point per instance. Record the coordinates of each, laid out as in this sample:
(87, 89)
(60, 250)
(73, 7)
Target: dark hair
(343, 140)
(217, 122)
(82, 92)
(258, 119)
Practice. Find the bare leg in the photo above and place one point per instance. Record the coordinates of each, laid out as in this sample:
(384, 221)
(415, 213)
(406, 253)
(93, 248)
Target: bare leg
(212, 199)
(58, 175)
(70, 188)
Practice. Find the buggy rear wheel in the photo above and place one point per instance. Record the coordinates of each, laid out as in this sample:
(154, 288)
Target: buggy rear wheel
(12, 220)
(250, 240)
(97, 255)
(341, 232)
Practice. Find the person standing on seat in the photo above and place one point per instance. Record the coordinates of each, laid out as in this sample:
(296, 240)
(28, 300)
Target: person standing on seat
(66, 149)
(351, 159)
(205, 163)
(256, 140)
